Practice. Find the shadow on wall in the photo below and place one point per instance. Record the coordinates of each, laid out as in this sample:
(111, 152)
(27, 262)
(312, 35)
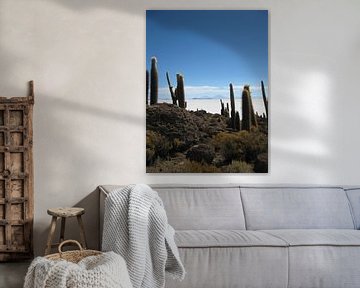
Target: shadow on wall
(131, 6)
(79, 108)
(73, 157)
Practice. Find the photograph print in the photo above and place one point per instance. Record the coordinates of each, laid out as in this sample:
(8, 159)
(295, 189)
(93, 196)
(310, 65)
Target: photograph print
(207, 91)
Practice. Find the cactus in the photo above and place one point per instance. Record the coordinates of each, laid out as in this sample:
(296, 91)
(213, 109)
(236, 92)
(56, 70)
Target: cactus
(154, 82)
(252, 113)
(232, 102)
(222, 108)
(180, 91)
(226, 110)
(147, 87)
(264, 98)
(173, 97)
(237, 121)
(246, 110)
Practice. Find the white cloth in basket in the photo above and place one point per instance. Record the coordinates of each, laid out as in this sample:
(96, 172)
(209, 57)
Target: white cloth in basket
(107, 270)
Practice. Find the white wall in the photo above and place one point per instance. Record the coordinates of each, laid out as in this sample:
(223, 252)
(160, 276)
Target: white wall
(87, 59)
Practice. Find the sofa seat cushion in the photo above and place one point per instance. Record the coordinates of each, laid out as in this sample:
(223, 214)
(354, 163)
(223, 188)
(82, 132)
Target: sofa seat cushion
(323, 258)
(225, 267)
(225, 238)
(317, 237)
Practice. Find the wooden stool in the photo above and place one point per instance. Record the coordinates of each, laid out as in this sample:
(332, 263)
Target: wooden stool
(64, 213)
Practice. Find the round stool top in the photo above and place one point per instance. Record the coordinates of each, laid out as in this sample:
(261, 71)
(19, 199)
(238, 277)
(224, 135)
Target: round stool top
(66, 211)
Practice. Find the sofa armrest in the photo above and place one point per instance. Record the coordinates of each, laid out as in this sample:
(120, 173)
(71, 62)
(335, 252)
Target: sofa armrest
(103, 195)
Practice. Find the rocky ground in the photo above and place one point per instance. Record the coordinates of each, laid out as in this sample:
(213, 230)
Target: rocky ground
(182, 141)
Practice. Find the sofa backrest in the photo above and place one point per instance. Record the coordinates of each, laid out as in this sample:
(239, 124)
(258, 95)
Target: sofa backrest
(234, 207)
(203, 208)
(354, 198)
(296, 208)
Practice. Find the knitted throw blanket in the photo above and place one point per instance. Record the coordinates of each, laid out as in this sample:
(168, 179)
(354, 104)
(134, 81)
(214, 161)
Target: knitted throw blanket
(136, 227)
(103, 271)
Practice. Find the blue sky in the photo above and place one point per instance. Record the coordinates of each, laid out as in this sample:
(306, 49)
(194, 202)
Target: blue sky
(211, 48)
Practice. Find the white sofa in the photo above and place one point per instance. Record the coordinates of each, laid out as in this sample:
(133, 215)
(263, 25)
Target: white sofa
(264, 236)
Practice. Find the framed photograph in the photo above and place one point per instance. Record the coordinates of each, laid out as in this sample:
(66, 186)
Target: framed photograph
(207, 91)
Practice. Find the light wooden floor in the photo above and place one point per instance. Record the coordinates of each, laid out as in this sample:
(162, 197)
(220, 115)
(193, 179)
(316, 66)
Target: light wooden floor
(12, 274)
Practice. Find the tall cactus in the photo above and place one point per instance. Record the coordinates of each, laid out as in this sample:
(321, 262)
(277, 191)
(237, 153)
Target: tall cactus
(147, 87)
(154, 82)
(232, 104)
(264, 98)
(246, 110)
(237, 121)
(252, 112)
(222, 107)
(180, 91)
(173, 97)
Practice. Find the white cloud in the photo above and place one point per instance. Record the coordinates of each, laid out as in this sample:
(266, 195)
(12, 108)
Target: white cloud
(212, 92)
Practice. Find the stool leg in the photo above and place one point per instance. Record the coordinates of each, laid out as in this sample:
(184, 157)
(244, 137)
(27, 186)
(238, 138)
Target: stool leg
(82, 232)
(51, 235)
(62, 230)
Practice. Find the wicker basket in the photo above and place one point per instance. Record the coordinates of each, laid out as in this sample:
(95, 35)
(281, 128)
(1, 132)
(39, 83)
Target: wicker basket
(72, 256)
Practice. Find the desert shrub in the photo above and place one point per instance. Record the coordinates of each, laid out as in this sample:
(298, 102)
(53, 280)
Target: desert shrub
(162, 166)
(254, 144)
(240, 146)
(178, 145)
(238, 167)
(185, 166)
(261, 163)
(229, 145)
(150, 153)
(158, 145)
(201, 153)
(196, 167)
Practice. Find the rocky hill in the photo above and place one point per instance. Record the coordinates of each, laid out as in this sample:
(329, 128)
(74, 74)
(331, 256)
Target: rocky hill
(178, 140)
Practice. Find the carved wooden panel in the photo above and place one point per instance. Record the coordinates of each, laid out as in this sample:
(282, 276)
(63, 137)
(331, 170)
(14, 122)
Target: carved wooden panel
(16, 177)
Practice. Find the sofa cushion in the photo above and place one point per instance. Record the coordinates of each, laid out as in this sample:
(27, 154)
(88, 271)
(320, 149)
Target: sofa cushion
(322, 258)
(226, 238)
(204, 208)
(324, 266)
(354, 198)
(199, 207)
(296, 208)
(317, 237)
(220, 267)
